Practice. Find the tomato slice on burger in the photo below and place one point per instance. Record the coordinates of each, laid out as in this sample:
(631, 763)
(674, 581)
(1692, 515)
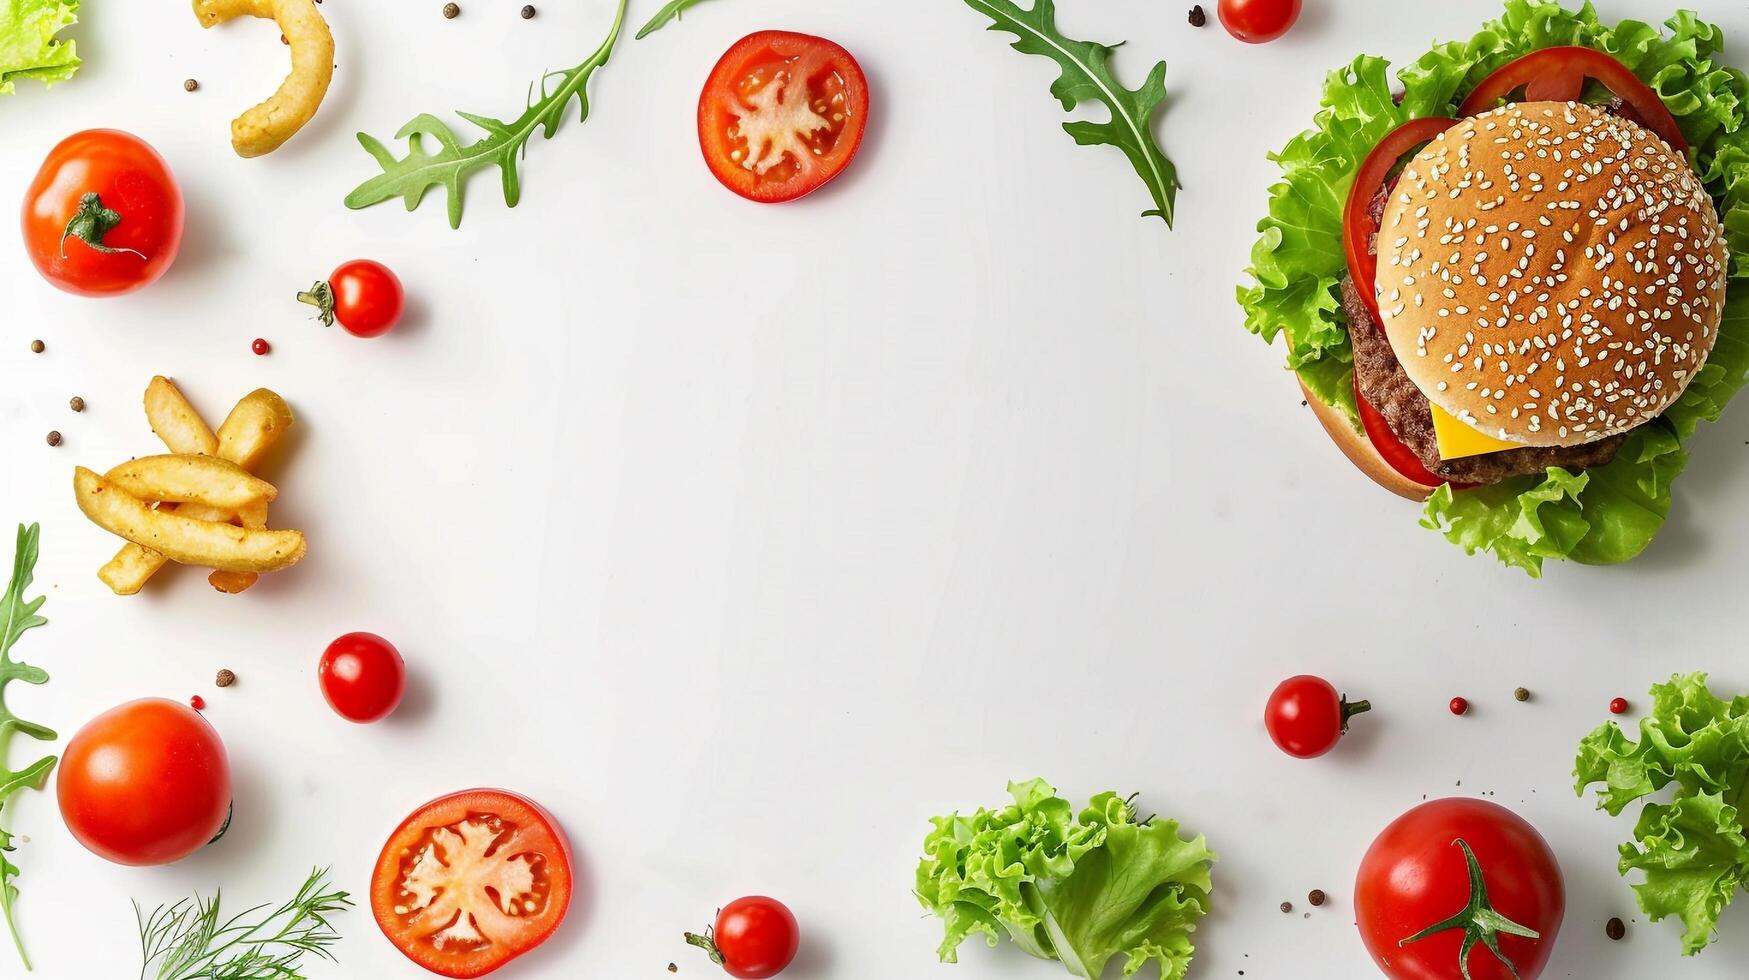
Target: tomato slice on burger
(1359, 224)
(1394, 451)
(1559, 74)
(471, 881)
(781, 114)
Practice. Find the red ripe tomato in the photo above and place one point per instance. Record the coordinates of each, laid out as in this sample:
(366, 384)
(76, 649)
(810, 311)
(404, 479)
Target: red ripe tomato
(754, 938)
(145, 783)
(471, 881)
(1559, 74)
(1437, 881)
(365, 296)
(781, 114)
(104, 215)
(1306, 717)
(362, 677)
(1257, 21)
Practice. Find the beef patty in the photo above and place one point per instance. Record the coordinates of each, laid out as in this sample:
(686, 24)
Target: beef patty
(1383, 383)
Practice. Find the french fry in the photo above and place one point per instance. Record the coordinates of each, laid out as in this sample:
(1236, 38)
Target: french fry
(183, 479)
(175, 422)
(264, 127)
(181, 538)
(246, 435)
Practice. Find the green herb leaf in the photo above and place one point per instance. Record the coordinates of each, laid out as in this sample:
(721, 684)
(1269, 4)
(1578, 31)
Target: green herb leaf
(670, 11)
(1692, 850)
(410, 177)
(16, 616)
(189, 941)
(1607, 514)
(1080, 889)
(28, 48)
(1087, 77)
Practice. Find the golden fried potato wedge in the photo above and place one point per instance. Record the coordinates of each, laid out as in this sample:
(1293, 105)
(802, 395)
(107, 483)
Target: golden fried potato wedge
(180, 538)
(175, 422)
(182, 479)
(263, 128)
(253, 427)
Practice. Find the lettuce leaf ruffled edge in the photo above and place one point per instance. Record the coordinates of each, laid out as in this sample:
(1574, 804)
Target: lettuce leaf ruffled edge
(1602, 516)
(28, 45)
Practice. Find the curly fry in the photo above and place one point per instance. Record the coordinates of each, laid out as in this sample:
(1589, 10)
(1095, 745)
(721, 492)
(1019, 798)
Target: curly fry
(262, 129)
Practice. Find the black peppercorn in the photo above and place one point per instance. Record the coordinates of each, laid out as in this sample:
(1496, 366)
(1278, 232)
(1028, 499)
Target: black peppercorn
(1287, 907)
(36, 347)
(76, 403)
(189, 85)
(54, 438)
(450, 11)
(225, 678)
(1197, 17)
(1614, 929)
(1316, 897)
(527, 11)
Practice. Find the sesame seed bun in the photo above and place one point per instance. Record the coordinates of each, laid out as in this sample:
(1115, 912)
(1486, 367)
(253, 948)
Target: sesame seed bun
(1550, 273)
(1361, 452)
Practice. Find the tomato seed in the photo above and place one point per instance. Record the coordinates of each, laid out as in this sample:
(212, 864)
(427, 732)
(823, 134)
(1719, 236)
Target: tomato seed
(1459, 706)
(1619, 706)
(197, 702)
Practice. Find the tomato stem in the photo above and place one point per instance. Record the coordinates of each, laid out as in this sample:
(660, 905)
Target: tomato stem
(1478, 920)
(1352, 708)
(706, 942)
(90, 223)
(321, 296)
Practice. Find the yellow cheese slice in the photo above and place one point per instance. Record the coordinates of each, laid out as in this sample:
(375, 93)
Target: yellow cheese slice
(1457, 439)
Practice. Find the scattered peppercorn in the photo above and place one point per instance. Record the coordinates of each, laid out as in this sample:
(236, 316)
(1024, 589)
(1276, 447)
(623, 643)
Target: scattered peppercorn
(54, 438)
(197, 702)
(260, 346)
(673, 969)
(1197, 17)
(283, 40)
(451, 11)
(527, 11)
(1521, 693)
(1460, 706)
(1615, 929)
(225, 678)
(1619, 706)
(189, 85)
(1316, 897)
(36, 347)
(76, 403)
(1287, 907)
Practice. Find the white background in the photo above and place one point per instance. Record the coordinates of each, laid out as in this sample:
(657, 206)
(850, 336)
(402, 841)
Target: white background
(748, 537)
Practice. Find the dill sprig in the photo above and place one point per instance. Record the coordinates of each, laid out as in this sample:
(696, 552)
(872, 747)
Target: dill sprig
(188, 940)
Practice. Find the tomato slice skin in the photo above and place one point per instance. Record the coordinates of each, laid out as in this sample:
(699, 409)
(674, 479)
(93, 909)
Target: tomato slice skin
(1358, 225)
(742, 92)
(526, 829)
(1394, 452)
(1559, 74)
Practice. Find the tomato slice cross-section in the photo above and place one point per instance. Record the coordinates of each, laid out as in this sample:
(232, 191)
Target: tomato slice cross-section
(471, 881)
(781, 114)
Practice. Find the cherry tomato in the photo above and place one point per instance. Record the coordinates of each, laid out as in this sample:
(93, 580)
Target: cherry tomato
(471, 881)
(145, 783)
(1426, 882)
(362, 676)
(365, 296)
(104, 215)
(1257, 21)
(1306, 717)
(1559, 74)
(754, 938)
(781, 114)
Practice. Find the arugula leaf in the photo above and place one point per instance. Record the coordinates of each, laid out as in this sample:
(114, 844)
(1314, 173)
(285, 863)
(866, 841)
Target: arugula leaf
(17, 616)
(28, 48)
(670, 11)
(411, 176)
(1607, 514)
(1087, 77)
(1083, 890)
(1693, 850)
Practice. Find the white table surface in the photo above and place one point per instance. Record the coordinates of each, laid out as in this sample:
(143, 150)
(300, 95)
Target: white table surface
(746, 538)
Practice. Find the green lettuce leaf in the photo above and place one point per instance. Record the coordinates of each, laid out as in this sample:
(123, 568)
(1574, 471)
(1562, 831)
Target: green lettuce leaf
(28, 48)
(1084, 889)
(1692, 851)
(1608, 514)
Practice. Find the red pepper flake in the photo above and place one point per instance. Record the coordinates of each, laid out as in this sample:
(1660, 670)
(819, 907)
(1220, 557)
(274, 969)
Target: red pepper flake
(1460, 706)
(1619, 706)
(197, 702)
(260, 346)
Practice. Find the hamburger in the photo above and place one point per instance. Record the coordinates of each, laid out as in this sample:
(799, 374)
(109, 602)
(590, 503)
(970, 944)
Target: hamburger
(1530, 313)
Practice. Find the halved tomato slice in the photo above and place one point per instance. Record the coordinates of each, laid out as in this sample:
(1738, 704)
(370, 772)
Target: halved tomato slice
(1559, 74)
(471, 881)
(781, 114)
(1360, 226)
